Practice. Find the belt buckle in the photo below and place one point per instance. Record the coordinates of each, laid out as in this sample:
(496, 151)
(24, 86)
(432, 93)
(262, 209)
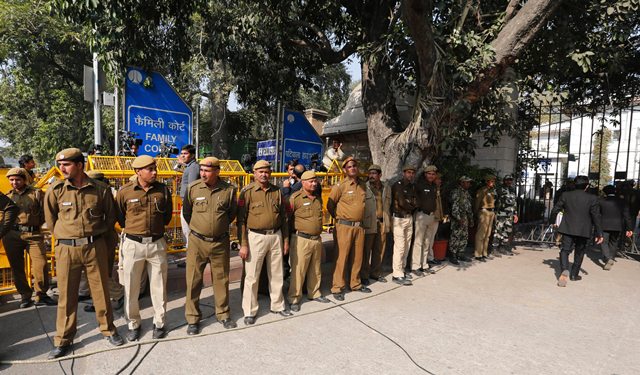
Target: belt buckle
(356, 223)
(81, 241)
(146, 240)
(270, 231)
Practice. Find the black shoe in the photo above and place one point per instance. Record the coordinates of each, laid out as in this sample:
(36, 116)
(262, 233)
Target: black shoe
(453, 260)
(418, 273)
(338, 296)
(408, 276)
(46, 301)
(434, 262)
(401, 281)
(380, 279)
(59, 351)
(464, 258)
(509, 253)
(158, 333)
(249, 320)
(194, 329)
(115, 339)
(133, 334)
(26, 302)
(228, 323)
(89, 308)
(321, 299)
(295, 307)
(430, 271)
(365, 282)
(282, 312)
(364, 289)
(480, 259)
(575, 278)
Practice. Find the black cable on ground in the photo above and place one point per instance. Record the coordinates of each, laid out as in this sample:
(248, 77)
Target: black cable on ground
(51, 340)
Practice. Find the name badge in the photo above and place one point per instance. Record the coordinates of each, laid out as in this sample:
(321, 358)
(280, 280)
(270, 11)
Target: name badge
(134, 200)
(306, 204)
(67, 203)
(350, 192)
(201, 198)
(427, 190)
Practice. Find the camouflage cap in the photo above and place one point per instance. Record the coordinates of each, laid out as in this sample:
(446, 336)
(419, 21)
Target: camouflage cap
(408, 167)
(17, 172)
(375, 167)
(465, 179)
(142, 161)
(261, 164)
(308, 175)
(490, 177)
(508, 177)
(210, 162)
(431, 168)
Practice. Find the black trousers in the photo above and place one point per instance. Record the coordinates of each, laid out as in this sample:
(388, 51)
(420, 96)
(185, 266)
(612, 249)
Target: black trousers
(611, 244)
(568, 243)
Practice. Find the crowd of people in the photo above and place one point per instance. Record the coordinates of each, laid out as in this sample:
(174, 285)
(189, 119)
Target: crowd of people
(277, 226)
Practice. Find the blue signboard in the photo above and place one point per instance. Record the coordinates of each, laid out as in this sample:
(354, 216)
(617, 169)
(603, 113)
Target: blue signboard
(300, 139)
(157, 113)
(267, 150)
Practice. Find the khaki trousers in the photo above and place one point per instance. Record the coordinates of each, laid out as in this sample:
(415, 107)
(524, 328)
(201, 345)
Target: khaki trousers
(426, 229)
(15, 244)
(402, 233)
(217, 255)
(374, 248)
(136, 257)
(350, 249)
(70, 261)
(305, 257)
(263, 248)
(483, 233)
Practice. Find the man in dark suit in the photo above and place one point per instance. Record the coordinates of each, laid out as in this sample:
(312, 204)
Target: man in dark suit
(615, 220)
(581, 212)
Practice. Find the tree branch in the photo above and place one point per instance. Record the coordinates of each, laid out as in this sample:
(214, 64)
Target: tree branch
(323, 47)
(512, 40)
(417, 14)
(511, 10)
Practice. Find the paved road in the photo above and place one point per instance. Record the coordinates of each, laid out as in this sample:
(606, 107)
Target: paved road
(506, 316)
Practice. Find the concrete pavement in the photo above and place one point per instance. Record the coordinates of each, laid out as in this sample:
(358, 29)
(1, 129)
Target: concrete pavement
(505, 316)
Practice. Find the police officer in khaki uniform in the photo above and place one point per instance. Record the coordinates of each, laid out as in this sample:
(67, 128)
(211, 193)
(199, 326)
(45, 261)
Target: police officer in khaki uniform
(306, 244)
(209, 208)
(484, 206)
(79, 211)
(346, 205)
(27, 237)
(375, 239)
(403, 205)
(264, 236)
(8, 215)
(144, 207)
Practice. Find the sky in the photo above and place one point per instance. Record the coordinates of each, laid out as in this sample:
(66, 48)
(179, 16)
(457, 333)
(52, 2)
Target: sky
(353, 68)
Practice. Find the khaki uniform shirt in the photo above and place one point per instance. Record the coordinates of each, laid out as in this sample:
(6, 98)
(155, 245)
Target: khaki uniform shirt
(72, 212)
(346, 200)
(8, 214)
(31, 204)
(404, 197)
(144, 213)
(210, 211)
(485, 198)
(306, 213)
(261, 209)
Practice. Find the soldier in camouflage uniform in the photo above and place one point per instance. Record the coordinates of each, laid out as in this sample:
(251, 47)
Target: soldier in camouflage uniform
(461, 221)
(506, 216)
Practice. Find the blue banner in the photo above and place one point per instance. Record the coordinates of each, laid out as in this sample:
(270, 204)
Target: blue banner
(300, 140)
(266, 150)
(156, 112)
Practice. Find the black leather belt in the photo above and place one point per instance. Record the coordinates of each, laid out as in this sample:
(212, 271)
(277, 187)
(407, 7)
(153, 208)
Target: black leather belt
(209, 239)
(143, 239)
(307, 236)
(26, 228)
(350, 223)
(400, 216)
(78, 241)
(265, 231)
(381, 220)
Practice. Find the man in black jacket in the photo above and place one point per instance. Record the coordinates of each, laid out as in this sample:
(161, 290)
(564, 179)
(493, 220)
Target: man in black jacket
(581, 212)
(615, 220)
